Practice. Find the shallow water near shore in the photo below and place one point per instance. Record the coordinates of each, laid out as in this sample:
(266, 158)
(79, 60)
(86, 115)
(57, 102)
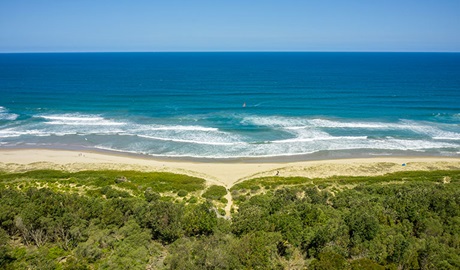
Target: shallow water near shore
(233, 105)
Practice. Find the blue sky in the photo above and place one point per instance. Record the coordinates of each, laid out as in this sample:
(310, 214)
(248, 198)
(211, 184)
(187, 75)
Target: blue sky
(237, 25)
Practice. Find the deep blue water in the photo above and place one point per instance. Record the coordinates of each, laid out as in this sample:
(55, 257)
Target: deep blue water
(229, 105)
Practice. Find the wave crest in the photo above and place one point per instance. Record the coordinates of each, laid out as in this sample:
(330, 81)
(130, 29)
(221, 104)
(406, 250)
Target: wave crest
(6, 115)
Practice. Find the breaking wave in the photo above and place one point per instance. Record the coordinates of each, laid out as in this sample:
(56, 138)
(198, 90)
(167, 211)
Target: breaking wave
(6, 115)
(239, 136)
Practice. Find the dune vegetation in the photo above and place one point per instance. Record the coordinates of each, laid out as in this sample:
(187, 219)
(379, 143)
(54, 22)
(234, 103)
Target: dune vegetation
(147, 220)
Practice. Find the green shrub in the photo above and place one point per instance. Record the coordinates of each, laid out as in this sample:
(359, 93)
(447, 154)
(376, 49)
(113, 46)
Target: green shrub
(151, 195)
(110, 193)
(182, 193)
(193, 199)
(167, 198)
(138, 181)
(215, 192)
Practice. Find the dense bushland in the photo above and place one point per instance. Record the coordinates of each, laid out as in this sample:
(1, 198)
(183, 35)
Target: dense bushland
(129, 220)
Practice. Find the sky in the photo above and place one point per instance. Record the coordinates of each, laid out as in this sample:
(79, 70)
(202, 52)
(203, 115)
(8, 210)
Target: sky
(236, 25)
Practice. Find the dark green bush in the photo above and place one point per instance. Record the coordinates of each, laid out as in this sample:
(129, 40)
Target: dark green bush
(182, 193)
(193, 199)
(215, 192)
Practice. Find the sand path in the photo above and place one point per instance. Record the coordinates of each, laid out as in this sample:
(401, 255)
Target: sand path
(226, 174)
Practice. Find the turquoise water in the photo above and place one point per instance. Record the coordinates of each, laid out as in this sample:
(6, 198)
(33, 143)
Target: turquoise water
(233, 105)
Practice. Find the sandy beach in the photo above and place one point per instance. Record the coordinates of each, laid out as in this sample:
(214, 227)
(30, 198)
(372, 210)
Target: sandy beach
(226, 174)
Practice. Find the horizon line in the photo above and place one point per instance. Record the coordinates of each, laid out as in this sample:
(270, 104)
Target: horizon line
(224, 51)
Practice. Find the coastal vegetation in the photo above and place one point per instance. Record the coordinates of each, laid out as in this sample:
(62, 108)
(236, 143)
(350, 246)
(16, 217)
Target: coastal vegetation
(137, 220)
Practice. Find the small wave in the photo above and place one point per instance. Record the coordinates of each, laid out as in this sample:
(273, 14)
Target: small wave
(79, 120)
(176, 128)
(274, 121)
(323, 123)
(293, 123)
(72, 117)
(433, 130)
(321, 139)
(10, 133)
(446, 115)
(6, 115)
(187, 141)
(399, 144)
(296, 148)
(101, 123)
(206, 156)
(447, 138)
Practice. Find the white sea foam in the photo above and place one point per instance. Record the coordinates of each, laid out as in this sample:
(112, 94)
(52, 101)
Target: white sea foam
(433, 130)
(315, 139)
(86, 124)
(185, 134)
(455, 138)
(79, 120)
(323, 123)
(6, 115)
(180, 128)
(399, 144)
(430, 130)
(72, 117)
(206, 142)
(292, 123)
(293, 148)
(285, 136)
(12, 133)
(275, 121)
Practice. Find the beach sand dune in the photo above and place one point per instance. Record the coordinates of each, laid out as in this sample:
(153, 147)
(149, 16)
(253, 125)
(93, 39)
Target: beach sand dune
(222, 173)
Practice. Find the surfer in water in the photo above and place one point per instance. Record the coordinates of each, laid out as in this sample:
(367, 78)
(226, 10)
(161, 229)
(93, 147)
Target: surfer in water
(244, 104)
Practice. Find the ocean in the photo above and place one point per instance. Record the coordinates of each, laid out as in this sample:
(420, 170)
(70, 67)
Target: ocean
(233, 106)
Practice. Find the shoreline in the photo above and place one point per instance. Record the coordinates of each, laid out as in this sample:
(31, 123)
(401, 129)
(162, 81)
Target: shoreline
(217, 172)
(289, 158)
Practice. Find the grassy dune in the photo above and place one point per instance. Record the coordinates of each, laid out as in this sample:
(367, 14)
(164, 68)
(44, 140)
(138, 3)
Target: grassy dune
(136, 220)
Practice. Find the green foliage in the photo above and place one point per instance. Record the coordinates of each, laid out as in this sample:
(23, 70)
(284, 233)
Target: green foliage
(259, 250)
(111, 193)
(223, 251)
(199, 220)
(407, 220)
(385, 221)
(133, 181)
(221, 211)
(211, 252)
(5, 253)
(182, 193)
(363, 224)
(365, 264)
(269, 182)
(414, 176)
(193, 199)
(329, 260)
(151, 195)
(215, 192)
(165, 220)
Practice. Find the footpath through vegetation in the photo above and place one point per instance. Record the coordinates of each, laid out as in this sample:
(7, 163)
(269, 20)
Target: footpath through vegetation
(143, 220)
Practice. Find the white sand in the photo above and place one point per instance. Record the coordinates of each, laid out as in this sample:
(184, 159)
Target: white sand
(219, 173)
